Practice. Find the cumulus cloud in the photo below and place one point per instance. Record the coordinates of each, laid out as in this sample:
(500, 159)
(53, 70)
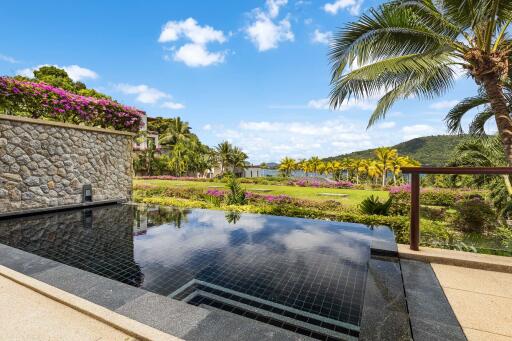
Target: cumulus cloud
(353, 6)
(387, 125)
(142, 92)
(444, 104)
(173, 105)
(75, 72)
(194, 53)
(8, 59)
(417, 130)
(321, 37)
(323, 104)
(265, 31)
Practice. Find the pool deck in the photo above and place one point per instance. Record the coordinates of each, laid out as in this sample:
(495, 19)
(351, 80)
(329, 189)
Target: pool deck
(480, 297)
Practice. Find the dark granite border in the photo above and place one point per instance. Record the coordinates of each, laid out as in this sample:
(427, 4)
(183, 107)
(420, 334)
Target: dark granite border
(43, 210)
(165, 314)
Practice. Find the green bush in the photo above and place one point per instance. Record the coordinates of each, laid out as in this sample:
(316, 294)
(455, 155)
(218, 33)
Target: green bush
(473, 215)
(433, 212)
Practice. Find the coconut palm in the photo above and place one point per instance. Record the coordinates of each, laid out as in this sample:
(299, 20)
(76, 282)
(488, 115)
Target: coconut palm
(315, 164)
(385, 155)
(223, 151)
(237, 158)
(359, 167)
(287, 166)
(407, 48)
(481, 101)
(177, 130)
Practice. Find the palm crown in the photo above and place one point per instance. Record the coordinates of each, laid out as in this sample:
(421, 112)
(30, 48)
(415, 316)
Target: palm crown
(414, 48)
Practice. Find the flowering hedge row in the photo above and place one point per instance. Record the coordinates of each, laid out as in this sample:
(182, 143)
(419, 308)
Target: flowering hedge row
(40, 100)
(320, 183)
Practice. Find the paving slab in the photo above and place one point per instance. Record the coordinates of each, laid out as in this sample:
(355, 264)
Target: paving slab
(487, 313)
(478, 335)
(485, 282)
(24, 262)
(28, 315)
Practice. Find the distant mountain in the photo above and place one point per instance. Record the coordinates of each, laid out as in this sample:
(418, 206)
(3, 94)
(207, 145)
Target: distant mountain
(429, 150)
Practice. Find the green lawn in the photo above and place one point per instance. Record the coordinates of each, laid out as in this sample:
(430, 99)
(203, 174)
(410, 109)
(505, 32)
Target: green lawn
(355, 196)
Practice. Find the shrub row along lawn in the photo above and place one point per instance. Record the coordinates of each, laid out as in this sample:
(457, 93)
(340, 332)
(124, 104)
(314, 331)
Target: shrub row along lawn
(310, 193)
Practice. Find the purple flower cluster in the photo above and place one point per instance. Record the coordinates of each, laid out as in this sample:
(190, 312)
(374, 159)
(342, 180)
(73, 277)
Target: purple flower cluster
(399, 189)
(169, 177)
(320, 183)
(216, 193)
(41, 100)
(272, 199)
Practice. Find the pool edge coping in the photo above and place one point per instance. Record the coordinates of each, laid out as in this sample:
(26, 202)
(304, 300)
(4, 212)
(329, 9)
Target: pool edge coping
(457, 258)
(115, 320)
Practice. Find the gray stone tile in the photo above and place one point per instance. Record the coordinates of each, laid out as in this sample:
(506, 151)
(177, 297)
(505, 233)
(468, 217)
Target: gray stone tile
(426, 330)
(385, 314)
(24, 262)
(163, 313)
(92, 287)
(385, 325)
(221, 325)
(418, 274)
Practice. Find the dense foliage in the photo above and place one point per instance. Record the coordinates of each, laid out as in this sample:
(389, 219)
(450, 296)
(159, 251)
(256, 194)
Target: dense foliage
(384, 166)
(427, 150)
(40, 100)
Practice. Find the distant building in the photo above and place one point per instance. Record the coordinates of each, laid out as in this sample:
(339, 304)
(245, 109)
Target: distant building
(141, 143)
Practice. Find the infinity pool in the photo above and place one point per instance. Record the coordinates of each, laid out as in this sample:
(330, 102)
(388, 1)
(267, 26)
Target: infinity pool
(307, 276)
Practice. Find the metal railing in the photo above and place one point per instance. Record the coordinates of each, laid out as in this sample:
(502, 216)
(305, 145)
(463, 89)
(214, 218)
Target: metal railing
(414, 239)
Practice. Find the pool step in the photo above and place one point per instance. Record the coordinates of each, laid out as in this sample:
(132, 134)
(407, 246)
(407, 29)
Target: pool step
(198, 292)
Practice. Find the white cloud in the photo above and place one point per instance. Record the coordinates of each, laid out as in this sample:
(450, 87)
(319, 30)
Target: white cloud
(173, 105)
(323, 104)
(444, 104)
(8, 59)
(207, 127)
(321, 37)
(387, 125)
(194, 53)
(353, 6)
(417, 130)
(144, 93)
(75, 72)
(265, 32)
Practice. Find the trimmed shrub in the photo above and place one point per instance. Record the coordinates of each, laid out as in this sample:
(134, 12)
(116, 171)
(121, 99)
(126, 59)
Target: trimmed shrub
(473, 215)
(373, 205)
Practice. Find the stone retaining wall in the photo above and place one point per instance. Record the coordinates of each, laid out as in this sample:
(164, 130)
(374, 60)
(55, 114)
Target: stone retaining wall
(45, 164)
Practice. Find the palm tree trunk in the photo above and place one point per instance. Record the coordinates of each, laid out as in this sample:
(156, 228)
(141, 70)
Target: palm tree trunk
(501, 114)
(384, 177)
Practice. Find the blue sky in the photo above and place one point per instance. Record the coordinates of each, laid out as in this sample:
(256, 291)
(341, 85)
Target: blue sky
(255, 73)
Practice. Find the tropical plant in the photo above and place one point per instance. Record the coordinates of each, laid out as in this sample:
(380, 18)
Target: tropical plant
(223, 151)
(407, 48)
(384, 156)
(373, 205)
(176, 131)
(236, 194)
(237, 158)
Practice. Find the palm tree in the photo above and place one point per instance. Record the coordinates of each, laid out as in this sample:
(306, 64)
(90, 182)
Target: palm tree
(385, 155)
(408, 48)
(237, 159)
(305, 166)
(176, 130)
(223, 150)
(358, 167)
(315, 163)
(454, 117)
(287, 166)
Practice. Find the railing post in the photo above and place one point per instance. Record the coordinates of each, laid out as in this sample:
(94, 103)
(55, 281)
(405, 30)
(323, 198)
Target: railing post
(415, 212)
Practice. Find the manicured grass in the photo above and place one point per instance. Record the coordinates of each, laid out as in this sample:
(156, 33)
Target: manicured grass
(355, 196)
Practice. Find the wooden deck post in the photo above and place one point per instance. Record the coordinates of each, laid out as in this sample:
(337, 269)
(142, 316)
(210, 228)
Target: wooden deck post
(415, 212)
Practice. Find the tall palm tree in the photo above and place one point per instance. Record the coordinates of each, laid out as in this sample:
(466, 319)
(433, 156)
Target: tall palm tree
(223, 150)
(237, 158)
(385, 155)
(315, 164)
(287, 166)
(408, 48)
(477, 126)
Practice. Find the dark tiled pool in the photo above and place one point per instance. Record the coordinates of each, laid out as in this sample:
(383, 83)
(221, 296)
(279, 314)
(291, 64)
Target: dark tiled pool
(307, 276)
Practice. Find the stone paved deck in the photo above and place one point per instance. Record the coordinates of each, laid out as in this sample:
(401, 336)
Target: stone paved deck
(27, 315)
(480, 299)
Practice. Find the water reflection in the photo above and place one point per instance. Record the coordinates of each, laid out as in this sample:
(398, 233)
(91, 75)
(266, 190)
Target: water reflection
(317, 267)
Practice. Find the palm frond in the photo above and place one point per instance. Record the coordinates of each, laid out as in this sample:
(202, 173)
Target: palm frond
(454, 117)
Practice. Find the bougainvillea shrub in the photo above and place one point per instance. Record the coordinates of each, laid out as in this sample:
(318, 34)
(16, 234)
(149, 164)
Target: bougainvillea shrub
(40, 100)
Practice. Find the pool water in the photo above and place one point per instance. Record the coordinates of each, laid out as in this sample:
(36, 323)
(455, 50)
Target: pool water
(303, 275)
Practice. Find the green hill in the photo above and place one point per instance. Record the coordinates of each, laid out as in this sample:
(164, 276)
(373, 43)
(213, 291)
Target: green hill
(429, 150)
